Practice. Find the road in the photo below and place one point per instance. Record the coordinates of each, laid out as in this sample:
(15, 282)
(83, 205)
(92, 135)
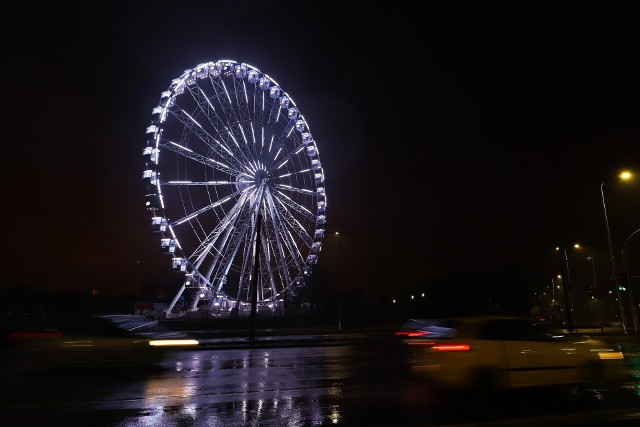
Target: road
(359, 383)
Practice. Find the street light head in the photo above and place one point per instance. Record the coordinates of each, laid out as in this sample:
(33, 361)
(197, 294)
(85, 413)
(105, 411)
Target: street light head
(625, 175)
(576, 245)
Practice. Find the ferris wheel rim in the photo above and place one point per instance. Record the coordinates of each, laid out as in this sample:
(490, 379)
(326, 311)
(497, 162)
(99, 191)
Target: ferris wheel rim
(249, 175)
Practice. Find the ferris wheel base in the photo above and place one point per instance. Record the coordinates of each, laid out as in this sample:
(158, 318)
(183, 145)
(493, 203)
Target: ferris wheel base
(241, 311)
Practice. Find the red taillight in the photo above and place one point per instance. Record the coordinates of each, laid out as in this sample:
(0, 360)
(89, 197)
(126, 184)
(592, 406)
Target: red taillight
(412, 333)
(451, 347)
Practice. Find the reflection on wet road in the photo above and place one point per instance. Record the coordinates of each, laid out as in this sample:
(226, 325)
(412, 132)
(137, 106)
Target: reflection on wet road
(317, 386)
(286, 386)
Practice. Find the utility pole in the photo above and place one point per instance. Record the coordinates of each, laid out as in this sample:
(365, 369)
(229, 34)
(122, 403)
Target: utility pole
(339, 279)
(566, 287)
(254, 281)
(614, 273)
(594, 292)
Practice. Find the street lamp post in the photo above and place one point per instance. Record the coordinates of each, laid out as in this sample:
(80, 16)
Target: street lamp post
(556, 299)
(594, 292)
(625, 176)
(339, 284)
(613, 263)
(566, 287)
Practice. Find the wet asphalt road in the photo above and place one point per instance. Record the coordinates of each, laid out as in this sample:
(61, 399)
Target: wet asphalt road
(364, 382)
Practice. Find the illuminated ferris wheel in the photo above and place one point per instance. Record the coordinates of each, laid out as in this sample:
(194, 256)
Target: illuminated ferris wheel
(235, 189)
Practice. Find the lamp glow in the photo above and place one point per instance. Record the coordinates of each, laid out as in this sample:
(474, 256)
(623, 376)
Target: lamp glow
(168, 343)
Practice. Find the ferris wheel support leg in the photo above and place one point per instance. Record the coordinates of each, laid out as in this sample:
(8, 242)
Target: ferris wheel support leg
(196, 300)
(175, 299)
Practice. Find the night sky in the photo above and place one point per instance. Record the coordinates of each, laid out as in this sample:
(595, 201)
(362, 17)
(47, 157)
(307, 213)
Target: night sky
(461, 141)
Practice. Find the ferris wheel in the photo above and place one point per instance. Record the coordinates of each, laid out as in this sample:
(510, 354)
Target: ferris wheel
(235, 189)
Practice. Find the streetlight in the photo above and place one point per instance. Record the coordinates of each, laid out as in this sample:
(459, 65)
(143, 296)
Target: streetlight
(565, 276)
(592, 289)
(625, 176)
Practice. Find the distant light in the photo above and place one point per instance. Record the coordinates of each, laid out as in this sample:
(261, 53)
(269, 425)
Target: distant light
(394, 301)
(423, 295)
(557, 248)
(576, 245)
(411, 296)
(625, 175)
(559, 276)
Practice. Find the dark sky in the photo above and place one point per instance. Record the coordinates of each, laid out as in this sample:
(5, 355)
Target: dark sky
(461, 141)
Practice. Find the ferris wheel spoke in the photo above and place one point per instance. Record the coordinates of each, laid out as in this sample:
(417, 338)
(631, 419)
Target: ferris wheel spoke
(208, 245)
(205, 209)
(199, 183)
(288, 224)
(247, 256)
(190, 154)
(215, 120)
(292, 232)
(232, 109)
(229, 248)
(258, 112)
(289, 156)
(289, 203)
(228, 254)
(289, 241)
(294, 259)
(305, 191)
(230, 120)
(224, 229)
(270, 273)
(285, 216)
(271, 254)
(224, 250)
(274, 115)
(194, 128)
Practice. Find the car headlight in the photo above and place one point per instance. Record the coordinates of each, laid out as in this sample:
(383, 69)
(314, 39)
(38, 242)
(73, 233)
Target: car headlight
(610, 355)
(173, 342)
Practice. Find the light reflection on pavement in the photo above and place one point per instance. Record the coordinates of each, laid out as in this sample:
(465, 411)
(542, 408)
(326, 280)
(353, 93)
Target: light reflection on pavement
(299, 386)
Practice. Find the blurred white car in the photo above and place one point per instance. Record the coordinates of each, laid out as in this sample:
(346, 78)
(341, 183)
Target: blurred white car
(89, 341)
(488, 352)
